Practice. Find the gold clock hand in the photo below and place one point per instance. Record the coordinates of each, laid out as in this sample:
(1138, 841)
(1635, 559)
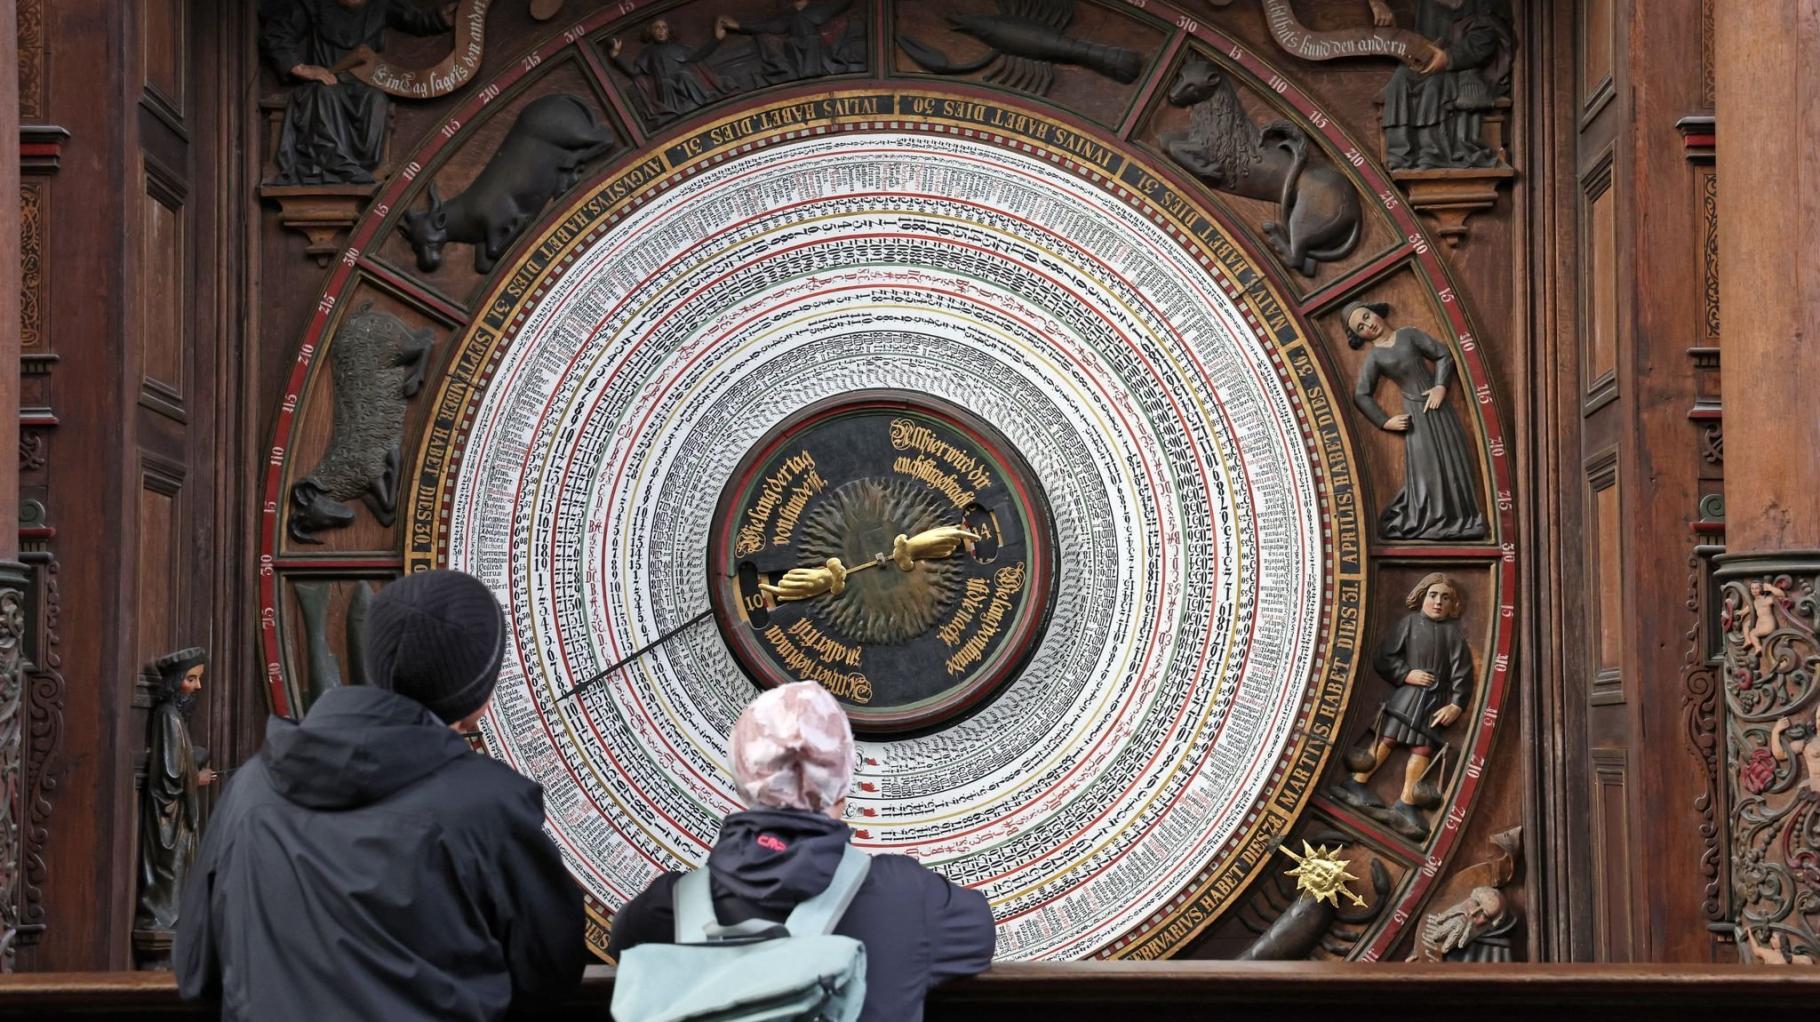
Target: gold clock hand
(806, 583)
(930, 544)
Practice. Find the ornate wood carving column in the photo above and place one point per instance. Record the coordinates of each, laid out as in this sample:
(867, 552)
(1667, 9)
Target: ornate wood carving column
(13, 577)
(1769, 271)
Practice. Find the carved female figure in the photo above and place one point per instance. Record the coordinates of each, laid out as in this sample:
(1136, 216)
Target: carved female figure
(170, 809)
(1437, 499)
(1426, 659)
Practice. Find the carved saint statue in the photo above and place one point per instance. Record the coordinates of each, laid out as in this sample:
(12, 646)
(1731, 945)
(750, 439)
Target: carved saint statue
(170, 810)
(1434, 115)
(1426, 659)
(677, 74)
(1437, 500)
(334, 124)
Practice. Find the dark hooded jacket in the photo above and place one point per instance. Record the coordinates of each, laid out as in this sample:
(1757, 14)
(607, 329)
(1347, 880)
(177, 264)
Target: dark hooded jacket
(918, 928)
(368, 864)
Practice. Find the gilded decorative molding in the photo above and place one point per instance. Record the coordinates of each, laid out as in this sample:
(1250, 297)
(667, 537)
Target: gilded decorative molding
(1709, 252)
(31, 59)
(1769, 617)
(31, 265)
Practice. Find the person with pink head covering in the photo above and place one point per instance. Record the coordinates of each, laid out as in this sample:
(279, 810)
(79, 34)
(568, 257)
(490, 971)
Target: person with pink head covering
(792, 758)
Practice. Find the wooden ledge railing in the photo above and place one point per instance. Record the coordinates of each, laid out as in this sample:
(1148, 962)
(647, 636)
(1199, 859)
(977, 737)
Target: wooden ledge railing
(1113, 991)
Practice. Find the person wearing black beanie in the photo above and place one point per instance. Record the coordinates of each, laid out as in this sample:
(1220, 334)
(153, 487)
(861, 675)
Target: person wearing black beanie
(437, 637)
(367, 863)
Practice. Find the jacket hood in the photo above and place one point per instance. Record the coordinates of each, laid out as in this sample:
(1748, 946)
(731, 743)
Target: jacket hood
(768, 860)
(357, 745)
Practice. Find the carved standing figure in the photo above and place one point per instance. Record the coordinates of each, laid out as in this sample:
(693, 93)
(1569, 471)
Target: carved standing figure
(812, 40)
(540, 158)
(170, 805)
(1317, 206)
(677, 74)
(1426, 660)
(376, 363)
(1437, 500)
(1434, 115)
(334, 123)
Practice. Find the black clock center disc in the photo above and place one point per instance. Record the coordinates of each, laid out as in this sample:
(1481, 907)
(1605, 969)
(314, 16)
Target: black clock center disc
(810, 580)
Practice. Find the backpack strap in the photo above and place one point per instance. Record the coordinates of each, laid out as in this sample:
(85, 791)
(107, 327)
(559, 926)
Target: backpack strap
(693, 904)
(820, 914)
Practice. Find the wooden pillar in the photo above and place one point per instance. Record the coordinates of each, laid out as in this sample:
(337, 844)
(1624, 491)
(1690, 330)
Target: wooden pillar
(1767, 61)
(13, 577)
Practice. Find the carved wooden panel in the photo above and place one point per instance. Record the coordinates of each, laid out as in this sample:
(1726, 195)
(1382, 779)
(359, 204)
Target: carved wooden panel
(160, 545)
(1604, 554)
(1612, 854)
(1598, 31)
(163, 286)
(163, 39)
(1599, 255)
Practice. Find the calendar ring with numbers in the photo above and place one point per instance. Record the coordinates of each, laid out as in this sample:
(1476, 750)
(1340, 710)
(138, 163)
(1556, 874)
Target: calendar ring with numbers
(638, 394)
(890, 546)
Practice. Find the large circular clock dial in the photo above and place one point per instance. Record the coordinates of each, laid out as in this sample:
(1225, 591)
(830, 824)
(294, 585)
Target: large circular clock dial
(891, 547)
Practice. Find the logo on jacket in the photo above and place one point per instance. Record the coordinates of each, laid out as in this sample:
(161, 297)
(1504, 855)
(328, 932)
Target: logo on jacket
(772, 842)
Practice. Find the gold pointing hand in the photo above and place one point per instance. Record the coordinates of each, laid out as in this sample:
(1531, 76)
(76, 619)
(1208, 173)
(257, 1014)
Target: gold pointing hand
(804, 583)
(929, 545)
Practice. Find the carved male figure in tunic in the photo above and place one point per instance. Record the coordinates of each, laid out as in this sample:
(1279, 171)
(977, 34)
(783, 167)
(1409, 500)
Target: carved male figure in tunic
(1426, 659)
(334, 124)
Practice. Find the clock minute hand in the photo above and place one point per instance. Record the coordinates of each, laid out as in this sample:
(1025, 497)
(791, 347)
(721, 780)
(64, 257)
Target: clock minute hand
(635, 654)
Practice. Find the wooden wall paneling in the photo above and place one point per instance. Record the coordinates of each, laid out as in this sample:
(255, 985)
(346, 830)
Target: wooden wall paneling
(1597, 23)
(1614, 853)
(1558, 790)
(1604, 596)
(163, 31)
(1599, 268)
(88, 486)
(228, 445)
(159, 582)
(1670, 238)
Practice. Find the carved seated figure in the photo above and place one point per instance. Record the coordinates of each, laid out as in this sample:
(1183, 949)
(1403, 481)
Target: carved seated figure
(334, 124)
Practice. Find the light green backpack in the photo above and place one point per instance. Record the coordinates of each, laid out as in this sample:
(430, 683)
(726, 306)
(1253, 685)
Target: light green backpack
(755, 971)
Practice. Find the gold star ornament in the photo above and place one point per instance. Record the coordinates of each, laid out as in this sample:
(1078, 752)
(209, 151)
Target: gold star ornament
(1322, 873)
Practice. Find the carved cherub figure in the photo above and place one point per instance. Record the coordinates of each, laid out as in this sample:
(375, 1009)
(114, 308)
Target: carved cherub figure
(1765, 597)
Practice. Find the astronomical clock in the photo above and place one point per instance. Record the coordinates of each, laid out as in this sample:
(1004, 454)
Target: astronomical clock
(989, 367)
